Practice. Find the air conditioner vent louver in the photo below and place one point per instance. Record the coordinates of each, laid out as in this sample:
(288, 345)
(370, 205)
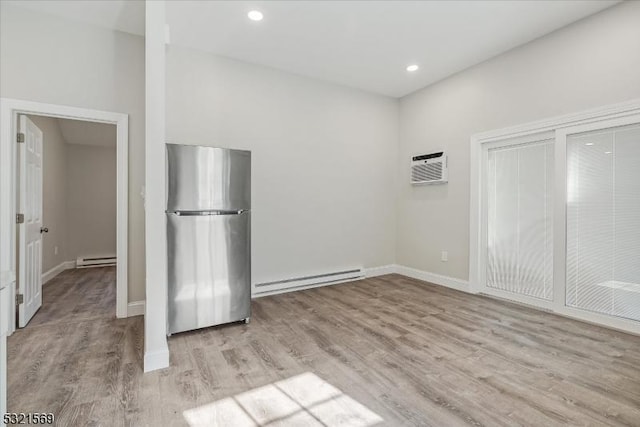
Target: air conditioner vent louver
(428, 172)
(429, 168)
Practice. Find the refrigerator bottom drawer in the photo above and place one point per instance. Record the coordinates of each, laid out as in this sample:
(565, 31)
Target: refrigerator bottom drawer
(209, 270)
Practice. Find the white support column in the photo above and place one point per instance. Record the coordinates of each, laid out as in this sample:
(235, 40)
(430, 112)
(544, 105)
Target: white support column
(156, 351)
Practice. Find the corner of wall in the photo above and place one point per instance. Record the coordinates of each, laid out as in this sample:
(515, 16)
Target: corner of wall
(396, 179)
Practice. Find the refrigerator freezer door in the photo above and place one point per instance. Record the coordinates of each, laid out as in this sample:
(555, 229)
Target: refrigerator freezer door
(207, 178)
(209, 270)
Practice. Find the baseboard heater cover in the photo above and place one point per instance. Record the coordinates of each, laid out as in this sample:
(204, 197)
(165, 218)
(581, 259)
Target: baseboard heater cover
(97, 261)
(305, 282)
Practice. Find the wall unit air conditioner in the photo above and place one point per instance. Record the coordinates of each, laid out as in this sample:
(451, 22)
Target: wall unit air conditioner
(429, 168)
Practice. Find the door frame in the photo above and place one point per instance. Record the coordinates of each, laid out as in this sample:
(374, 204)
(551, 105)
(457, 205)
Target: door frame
(9, 111)
(560, 126)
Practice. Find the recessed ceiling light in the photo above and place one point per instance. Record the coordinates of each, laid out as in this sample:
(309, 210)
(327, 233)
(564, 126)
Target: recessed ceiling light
(589, 143)
(255, 15)
(608, 152)
(412, 68)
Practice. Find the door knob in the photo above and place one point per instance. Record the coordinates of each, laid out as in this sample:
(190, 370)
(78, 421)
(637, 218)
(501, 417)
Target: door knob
(44, 230)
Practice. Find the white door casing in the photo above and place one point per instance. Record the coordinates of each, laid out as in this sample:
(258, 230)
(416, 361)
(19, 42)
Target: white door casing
(10, 111)
(30, 205)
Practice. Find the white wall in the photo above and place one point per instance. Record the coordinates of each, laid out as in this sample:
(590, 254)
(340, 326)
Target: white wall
(323, 159)
(52, 60)
(591, 63)
(54, 197)
(79, 197)
(91, 200)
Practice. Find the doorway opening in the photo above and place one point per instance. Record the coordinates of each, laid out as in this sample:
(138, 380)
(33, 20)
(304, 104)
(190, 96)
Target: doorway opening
(66, 255)
(48, 233)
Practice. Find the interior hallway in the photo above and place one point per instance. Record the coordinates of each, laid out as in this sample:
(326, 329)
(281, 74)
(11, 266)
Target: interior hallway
(415, 354)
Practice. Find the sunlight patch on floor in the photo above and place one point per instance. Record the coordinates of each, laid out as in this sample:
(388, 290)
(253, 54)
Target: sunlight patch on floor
(303, 400)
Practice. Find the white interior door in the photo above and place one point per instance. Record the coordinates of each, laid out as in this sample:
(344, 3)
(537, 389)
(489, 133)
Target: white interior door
(30, 230)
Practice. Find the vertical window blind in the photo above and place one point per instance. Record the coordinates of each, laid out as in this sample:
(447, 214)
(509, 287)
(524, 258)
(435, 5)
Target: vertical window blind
(603, 221)
(520, 219)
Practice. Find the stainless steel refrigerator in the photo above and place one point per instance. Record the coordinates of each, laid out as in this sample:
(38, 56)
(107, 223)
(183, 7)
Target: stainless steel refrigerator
(208, 236)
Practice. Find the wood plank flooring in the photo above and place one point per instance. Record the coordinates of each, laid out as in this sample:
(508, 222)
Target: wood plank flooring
(78, 294)
(409, 352)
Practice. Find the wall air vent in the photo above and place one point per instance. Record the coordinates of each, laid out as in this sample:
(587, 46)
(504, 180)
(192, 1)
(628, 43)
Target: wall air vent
(429, 168)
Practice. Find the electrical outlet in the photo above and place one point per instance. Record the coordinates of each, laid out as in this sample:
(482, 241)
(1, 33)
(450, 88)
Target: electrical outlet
(445, 256)
(55, 250)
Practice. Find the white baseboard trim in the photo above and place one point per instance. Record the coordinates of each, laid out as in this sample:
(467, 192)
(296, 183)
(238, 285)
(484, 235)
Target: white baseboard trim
(65, 265)
(380, 271)
(438, 279)
(154, 360)
(135, 308)
(366, 272)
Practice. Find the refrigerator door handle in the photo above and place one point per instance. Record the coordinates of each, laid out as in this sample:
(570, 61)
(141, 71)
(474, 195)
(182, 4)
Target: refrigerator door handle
(209, 212)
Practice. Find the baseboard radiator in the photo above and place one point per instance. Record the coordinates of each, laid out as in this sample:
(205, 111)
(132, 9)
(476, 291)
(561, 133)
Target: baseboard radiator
(95, 261)
(306, 282)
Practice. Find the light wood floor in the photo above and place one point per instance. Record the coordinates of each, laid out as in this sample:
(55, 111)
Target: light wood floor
(410, 352)
(78, 295)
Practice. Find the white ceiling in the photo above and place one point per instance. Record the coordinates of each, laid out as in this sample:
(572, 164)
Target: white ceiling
(121, 15)
(362, 44)
(79, 132)
(368, 44)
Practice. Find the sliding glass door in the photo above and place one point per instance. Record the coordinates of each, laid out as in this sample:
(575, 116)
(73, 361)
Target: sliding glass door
(603, 221)
(519, 219)
(555, 215)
